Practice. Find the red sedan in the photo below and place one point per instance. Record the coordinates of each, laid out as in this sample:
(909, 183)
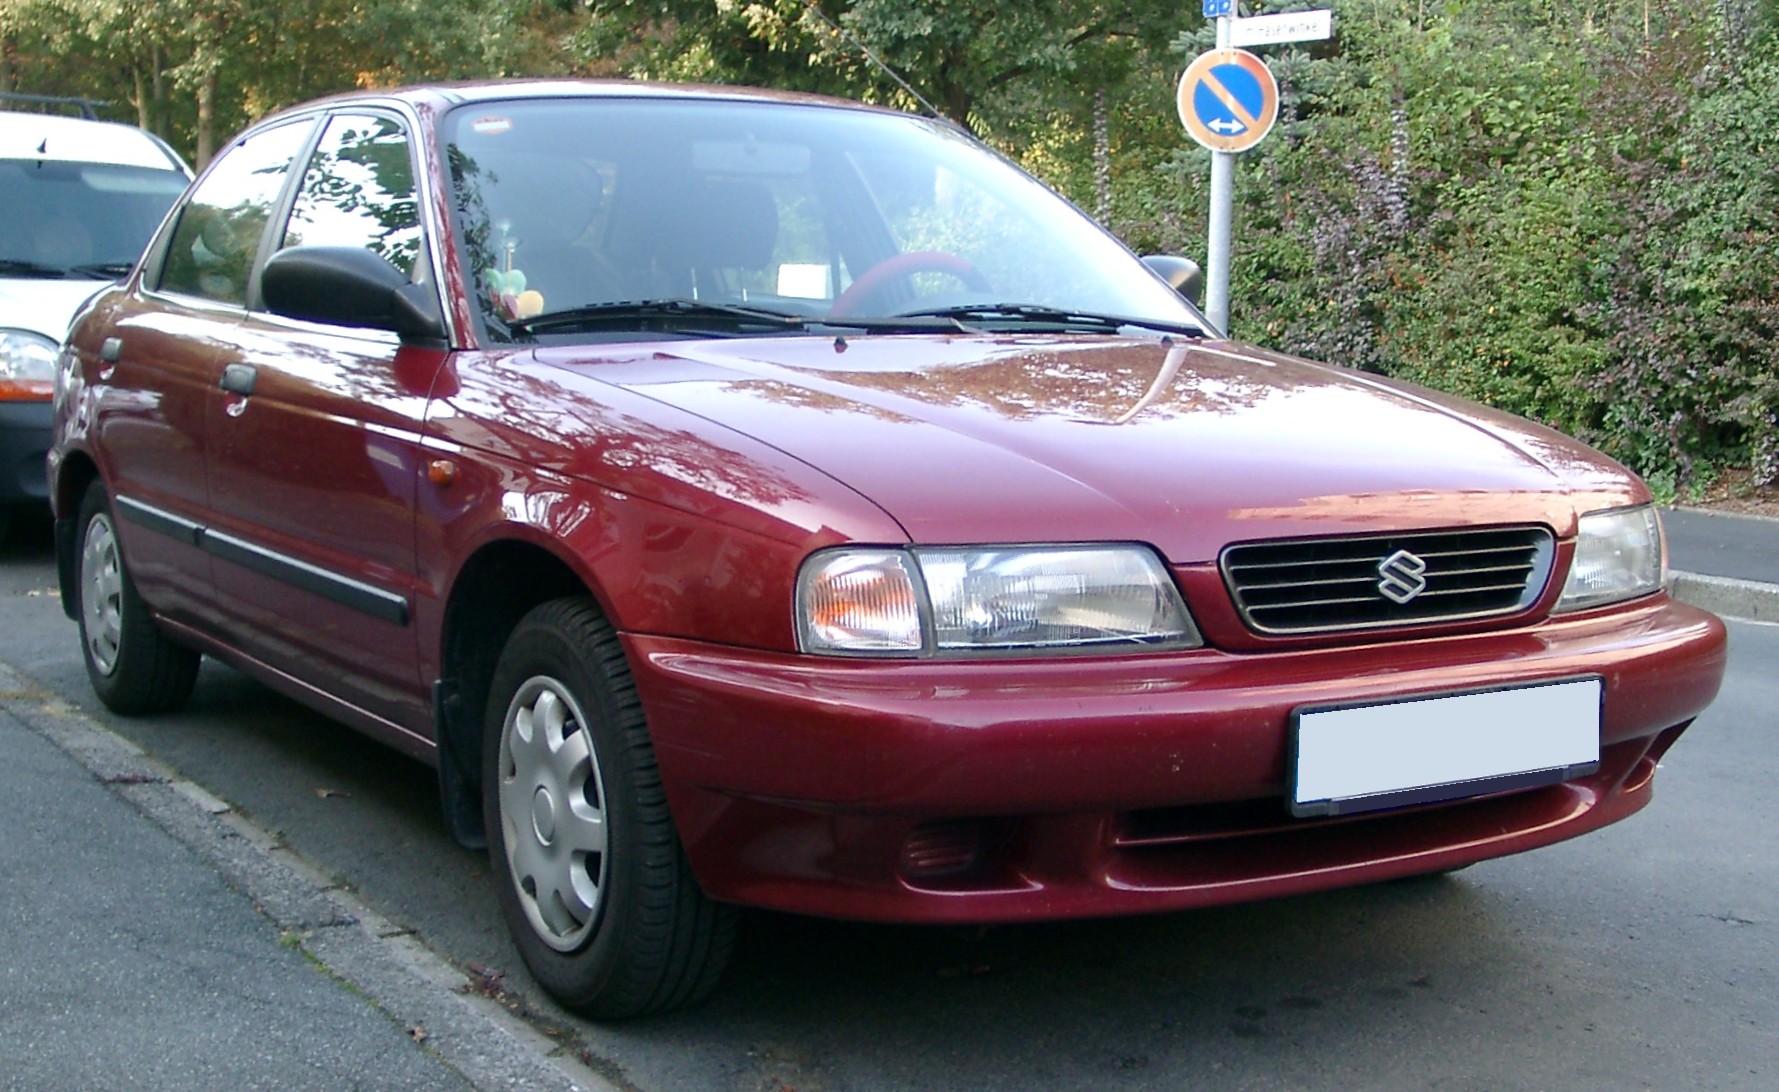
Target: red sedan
(748, 499)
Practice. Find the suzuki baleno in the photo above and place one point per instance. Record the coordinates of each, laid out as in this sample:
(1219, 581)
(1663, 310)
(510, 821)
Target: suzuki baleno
(744, 499)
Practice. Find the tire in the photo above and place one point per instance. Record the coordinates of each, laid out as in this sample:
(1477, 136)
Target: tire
(589, 870)
(134, 668)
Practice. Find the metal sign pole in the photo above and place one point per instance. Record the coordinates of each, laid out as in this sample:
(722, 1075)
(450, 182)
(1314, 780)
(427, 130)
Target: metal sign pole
(1228, 101)
(1222, 214)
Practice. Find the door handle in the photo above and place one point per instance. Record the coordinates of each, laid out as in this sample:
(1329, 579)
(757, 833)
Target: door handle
(239, 378)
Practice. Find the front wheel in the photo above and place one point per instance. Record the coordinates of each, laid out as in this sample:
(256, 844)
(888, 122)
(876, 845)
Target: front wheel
(133, 666)
(595, 887)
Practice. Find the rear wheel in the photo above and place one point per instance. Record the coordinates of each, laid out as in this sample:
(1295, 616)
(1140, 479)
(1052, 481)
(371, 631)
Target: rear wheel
(591, 877)
(134, 668)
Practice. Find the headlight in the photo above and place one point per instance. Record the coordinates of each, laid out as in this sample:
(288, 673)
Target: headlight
(958, 600)
(1618, 555)
(859, 601)
(27, 364)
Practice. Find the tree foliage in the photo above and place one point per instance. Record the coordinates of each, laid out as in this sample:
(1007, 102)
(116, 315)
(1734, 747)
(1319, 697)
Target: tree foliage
(1566, 209)
(195, 71)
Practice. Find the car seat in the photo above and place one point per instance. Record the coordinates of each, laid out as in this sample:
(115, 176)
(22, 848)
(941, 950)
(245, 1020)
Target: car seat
(539, 208)
(691, 237)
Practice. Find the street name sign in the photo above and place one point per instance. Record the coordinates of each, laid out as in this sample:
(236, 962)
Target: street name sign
(1228, 100)
(1291, 26)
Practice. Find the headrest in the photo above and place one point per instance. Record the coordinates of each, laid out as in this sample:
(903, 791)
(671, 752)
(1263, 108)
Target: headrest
(740, 224)
(544, 200)
(681, 223)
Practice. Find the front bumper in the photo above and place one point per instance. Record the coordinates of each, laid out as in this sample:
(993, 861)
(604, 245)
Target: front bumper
(24, 448)
(1029, 789)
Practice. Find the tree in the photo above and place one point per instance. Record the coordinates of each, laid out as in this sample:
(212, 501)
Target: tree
(195, 71)
(975, 61)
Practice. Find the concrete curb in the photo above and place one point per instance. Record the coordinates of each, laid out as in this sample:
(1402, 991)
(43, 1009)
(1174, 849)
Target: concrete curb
(1719, 513)
(1746, 600)
(439, 1005)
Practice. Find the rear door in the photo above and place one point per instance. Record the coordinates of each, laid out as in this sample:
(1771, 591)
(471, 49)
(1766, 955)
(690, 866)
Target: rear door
(314, 453)
(164, 355)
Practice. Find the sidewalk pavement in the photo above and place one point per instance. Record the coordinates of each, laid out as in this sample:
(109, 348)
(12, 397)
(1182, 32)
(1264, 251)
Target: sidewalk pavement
(154, 940)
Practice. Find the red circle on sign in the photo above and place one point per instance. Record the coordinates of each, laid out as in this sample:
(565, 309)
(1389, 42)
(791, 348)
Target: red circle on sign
(1244, 127)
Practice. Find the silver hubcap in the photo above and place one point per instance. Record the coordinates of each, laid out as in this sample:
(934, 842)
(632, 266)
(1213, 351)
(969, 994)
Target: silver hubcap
(552, 813)
(101, 594)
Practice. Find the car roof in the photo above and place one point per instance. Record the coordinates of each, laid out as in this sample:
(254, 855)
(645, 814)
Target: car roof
(76, 140)
(451, 94)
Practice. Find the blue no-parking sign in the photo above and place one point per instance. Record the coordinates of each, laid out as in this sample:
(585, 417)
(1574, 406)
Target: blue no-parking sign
(1228, 100)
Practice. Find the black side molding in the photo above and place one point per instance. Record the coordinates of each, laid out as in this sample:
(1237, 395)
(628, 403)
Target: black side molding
(331, 586)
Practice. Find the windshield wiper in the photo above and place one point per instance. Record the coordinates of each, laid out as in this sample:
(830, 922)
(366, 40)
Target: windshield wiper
(898, 324)
(18, 267)
(109, 271)
(668, 314)
(1026, 315)
(700, 316)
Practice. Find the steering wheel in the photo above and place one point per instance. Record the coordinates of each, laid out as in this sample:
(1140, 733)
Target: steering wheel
(873, 280)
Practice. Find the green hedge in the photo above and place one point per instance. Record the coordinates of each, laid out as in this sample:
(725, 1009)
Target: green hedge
(1536, 207)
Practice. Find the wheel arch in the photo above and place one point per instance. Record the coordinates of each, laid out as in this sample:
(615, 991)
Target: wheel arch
(74, 475)
(496, 587)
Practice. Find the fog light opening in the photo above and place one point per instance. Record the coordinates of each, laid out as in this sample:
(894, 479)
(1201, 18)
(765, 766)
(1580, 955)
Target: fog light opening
(942, 850)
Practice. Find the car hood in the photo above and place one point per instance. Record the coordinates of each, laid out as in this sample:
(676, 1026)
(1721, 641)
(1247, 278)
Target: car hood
(44, 306)
(1187, 445)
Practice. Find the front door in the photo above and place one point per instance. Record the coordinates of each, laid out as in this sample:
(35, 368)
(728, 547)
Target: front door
(314, 456)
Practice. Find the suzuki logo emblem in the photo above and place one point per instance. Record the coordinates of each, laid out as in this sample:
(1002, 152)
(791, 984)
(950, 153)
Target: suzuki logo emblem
(1404, 577)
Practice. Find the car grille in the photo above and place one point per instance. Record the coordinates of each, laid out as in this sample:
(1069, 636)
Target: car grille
(1308, 586)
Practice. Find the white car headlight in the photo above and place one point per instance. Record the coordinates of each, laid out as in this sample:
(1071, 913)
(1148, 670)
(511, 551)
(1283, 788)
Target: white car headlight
(25, 356)
(1618, 555)
(948, 600)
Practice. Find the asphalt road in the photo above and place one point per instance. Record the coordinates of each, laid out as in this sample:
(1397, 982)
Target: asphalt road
(1723, 543)
(1642, 956)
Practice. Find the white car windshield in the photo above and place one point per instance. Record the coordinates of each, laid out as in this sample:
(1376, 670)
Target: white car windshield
(79, 219)
(822, 213)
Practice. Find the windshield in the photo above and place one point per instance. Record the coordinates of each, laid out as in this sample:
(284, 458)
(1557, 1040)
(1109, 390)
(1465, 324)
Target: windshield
(823, 213)
(81, 219)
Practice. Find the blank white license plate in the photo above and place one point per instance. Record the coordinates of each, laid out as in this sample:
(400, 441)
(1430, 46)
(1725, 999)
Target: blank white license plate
(1414, 750)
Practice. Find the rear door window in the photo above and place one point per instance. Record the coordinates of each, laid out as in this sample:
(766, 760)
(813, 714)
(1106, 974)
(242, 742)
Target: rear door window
(222, 224)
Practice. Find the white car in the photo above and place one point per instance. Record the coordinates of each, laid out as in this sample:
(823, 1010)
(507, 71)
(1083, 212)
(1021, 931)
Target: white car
(79, 199)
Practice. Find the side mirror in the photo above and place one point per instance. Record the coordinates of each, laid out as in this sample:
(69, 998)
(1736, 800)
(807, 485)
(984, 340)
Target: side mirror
(349, 286)
(1182, 273)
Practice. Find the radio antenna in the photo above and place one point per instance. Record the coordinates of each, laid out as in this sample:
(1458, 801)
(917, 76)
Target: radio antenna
(849, 36)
